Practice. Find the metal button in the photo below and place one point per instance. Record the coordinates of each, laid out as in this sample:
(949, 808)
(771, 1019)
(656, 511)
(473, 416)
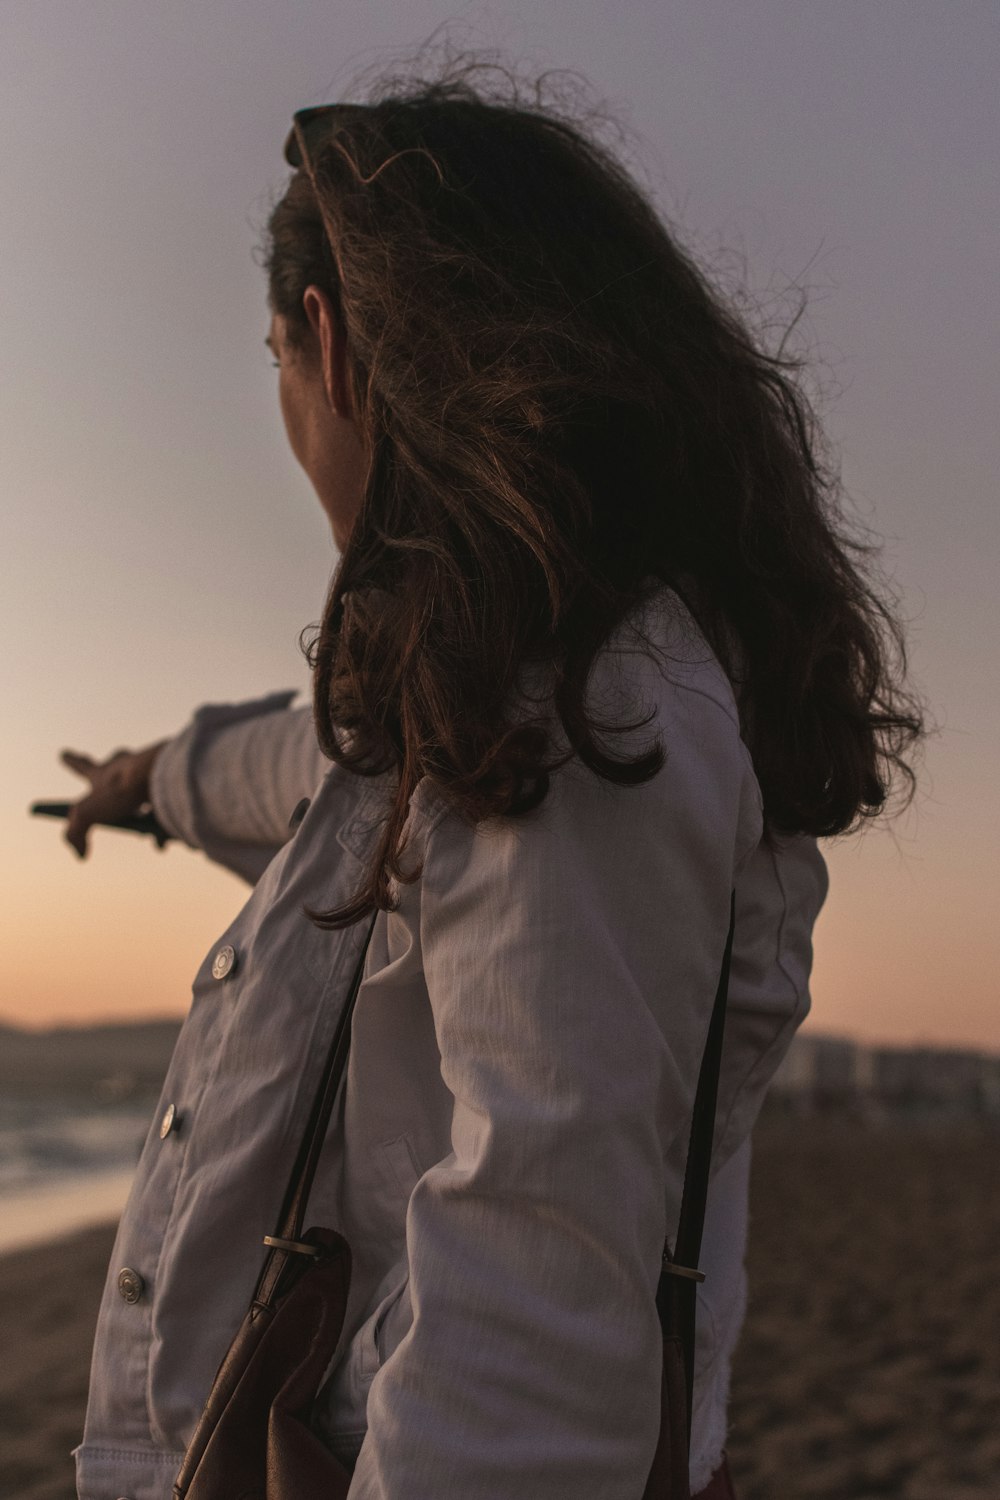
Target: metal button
(301, 808)
(171, 1121)
(224, 962)
(130, 1284)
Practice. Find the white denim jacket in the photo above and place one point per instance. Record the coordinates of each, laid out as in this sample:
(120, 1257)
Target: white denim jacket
(507, 1153)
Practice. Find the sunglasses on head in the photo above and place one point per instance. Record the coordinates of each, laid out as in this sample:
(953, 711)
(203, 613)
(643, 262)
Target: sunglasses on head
(309, 129)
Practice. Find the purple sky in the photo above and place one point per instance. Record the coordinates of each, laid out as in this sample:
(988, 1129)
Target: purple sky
(161, 549)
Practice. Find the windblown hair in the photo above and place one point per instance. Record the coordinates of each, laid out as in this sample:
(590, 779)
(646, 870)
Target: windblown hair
(562, 415)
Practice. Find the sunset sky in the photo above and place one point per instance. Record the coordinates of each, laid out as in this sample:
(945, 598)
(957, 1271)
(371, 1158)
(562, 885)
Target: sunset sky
(161, 549)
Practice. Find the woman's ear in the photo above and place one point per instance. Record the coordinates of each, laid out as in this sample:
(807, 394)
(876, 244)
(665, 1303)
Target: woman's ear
(333, 351)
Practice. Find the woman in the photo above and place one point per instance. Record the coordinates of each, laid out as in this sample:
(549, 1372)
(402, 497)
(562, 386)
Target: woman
(572, 496)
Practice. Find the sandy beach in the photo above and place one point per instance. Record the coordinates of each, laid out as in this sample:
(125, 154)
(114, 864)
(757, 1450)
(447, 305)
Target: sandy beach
(48, 1308)
(869, 1364)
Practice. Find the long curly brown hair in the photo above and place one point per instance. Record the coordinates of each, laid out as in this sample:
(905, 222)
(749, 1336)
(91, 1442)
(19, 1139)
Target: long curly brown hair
(563, 414)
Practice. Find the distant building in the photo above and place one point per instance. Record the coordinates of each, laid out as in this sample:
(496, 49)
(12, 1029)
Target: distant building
(818, 1071)
(829, 1072)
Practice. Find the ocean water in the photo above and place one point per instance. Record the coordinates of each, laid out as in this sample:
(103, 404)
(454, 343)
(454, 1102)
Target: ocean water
(76, 1104)
(65, 1163)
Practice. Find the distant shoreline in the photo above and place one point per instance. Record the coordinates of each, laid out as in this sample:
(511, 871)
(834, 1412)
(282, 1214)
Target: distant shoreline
(56, 1210)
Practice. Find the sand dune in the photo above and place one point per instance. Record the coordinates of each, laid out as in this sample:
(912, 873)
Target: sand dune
(869, 1365)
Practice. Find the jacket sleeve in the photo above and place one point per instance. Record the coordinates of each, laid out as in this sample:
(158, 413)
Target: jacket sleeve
(229, 783)
(571, 958)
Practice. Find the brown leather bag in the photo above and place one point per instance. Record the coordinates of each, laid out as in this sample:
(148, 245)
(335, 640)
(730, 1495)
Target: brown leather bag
(254, 1440)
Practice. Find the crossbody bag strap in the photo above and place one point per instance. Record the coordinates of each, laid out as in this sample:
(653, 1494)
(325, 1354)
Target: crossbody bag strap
(304, 1170)
(287, 1238)
(676, 1296)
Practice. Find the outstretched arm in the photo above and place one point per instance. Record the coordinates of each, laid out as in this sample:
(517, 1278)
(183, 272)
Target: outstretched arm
(227, 784)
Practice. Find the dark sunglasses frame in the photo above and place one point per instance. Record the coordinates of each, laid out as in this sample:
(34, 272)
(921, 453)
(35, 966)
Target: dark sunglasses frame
(307, 132)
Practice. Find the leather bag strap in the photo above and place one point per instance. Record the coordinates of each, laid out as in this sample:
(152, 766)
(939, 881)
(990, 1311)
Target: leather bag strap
(301, 1180)
(676, 1297)
(287, 1238)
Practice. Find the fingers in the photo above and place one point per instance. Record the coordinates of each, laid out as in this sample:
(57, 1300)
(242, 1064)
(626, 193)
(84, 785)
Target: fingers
(83, 765)
(119, 786)
(79, 821)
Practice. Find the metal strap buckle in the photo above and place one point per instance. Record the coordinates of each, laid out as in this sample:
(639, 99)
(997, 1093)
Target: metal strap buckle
(299, 1247)
(674, 1269)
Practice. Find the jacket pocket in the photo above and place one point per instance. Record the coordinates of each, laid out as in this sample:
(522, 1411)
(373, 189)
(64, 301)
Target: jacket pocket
(402, 1164)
